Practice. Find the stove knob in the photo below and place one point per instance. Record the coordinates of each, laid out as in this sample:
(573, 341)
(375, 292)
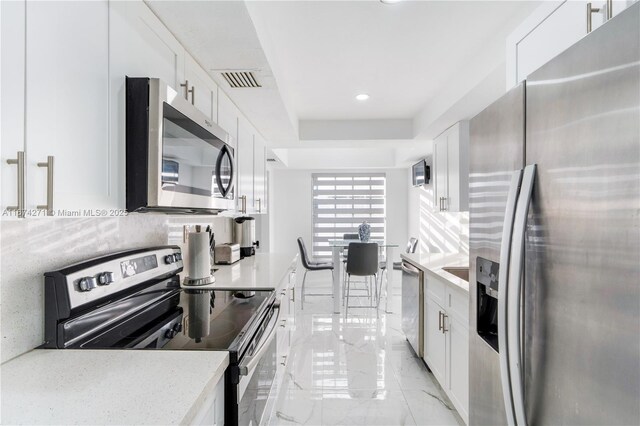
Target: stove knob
(87, 283)
(170, 334)
(177, 327)
(178, 256)
(168, 259)
(106, 278)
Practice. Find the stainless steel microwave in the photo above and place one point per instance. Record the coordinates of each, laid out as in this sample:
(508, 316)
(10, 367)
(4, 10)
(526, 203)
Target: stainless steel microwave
(177, 160)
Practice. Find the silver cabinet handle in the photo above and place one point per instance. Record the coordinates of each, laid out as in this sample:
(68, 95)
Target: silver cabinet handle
(19, 161)
(243, 203)
(293, 294)
(516, 269)
(259, 205)
(49, 206)
(284, 360)
(444, 204)
(444, 317)
(439, 320)
(590, 12)
(187, 91)
(503, 287)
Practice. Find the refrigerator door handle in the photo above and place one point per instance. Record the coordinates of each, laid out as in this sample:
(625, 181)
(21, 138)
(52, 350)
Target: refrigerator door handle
(505, 247)
(516, 269)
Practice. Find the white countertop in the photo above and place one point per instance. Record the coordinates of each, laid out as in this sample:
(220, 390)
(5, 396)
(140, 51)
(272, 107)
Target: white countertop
(108, 387)
(126, 386)
(261, 271)
(432, 263)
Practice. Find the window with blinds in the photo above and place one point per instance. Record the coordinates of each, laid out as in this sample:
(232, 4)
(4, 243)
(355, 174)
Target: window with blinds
(341, 202)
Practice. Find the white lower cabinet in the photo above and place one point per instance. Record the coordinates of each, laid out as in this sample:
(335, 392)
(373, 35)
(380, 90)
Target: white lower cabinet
(287, 297)
(434, 340)
(446, 341)
(458, 360)
(212, 411)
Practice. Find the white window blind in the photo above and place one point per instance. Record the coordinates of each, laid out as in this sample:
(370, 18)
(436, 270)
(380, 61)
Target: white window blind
(341, 202)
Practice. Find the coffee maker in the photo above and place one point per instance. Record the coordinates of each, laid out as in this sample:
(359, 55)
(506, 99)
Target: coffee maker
(245, 235)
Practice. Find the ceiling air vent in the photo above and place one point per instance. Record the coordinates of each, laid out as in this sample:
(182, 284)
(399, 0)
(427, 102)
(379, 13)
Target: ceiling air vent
(238, 79)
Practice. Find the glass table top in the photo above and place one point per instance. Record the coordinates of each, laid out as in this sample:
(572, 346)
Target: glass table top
(345, 243)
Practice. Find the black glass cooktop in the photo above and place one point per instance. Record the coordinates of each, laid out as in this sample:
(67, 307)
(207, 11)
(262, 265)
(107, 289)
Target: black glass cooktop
(219, 319)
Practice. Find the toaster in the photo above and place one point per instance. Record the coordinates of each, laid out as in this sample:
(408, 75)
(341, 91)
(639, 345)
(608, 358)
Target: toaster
(226, 254)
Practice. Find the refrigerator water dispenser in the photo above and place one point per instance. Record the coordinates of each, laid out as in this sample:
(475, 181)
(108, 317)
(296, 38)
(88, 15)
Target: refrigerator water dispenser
(487, 309)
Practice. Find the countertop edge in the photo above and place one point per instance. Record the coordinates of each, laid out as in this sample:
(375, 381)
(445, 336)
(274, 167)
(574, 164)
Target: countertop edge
(435, 269)
(209, 387)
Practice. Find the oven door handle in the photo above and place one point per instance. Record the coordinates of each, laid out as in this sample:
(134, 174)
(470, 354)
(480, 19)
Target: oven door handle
(251, 361)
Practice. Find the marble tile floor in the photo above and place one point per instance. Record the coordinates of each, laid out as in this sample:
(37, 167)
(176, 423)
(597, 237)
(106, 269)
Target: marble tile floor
(356, 370)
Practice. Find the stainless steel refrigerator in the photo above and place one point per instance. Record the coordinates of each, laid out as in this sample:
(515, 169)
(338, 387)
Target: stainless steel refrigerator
(555, 240)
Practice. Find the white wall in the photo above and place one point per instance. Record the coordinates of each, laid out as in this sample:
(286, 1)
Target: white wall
(31, 247)
(291, 207)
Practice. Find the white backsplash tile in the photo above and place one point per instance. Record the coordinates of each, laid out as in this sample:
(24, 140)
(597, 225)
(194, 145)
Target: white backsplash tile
(438, 232)
(31, 247)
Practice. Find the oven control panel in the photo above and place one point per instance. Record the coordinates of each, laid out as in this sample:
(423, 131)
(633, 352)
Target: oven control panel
(98, 278)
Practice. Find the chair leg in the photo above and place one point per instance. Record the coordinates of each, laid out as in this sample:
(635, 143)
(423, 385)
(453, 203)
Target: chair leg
(376, 289)
(346, 308)
(304, 277)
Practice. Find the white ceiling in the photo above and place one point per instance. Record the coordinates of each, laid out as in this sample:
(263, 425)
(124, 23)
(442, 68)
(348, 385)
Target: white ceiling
(425, 64)
(400, 54)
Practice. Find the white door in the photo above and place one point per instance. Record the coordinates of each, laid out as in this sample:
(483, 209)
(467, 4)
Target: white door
(12, 31)
(67, 104)
(434, 340)
(458, 364)
(259, 174)
(202, 90)
(244, 154)
(442, 167)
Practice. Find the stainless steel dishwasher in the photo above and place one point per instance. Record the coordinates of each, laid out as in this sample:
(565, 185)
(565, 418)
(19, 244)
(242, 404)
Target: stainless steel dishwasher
(412, 306)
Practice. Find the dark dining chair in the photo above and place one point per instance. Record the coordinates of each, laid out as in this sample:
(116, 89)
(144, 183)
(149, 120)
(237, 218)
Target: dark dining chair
(310, 265)
(362, 262)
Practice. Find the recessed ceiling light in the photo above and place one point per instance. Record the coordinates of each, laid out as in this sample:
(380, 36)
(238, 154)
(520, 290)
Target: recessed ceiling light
(390, 1)
(362, 97)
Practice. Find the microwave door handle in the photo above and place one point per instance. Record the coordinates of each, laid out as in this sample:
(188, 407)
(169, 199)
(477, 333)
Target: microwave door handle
(516, 269)
(251, 361)
(505, 247)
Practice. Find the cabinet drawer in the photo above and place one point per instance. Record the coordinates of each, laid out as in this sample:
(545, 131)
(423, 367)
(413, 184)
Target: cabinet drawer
(457, 304)
(435, 289)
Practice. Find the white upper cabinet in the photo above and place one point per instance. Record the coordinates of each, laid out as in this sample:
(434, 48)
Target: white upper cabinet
(64, 65)
(228, 115)
(451, 162)
(260, 174)
(550, 30)
(200, 89)
(244, 155)
(67, 106)
(12, 27)
(141, 46)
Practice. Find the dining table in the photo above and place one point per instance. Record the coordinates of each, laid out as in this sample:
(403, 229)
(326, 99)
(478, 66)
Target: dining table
(337, 247)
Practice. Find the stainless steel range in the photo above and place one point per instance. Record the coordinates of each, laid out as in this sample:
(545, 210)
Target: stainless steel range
(133, 300)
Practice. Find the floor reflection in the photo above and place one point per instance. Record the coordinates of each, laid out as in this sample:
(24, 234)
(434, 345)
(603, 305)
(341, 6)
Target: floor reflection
(357, 370)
